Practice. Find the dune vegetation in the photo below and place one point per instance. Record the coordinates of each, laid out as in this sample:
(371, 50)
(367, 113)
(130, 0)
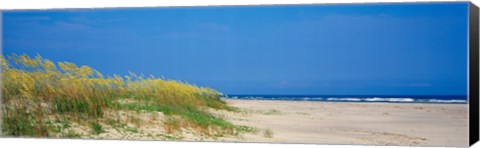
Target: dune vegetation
(45, 99)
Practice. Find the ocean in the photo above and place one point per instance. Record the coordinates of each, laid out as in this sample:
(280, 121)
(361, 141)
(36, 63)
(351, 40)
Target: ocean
(445, 99)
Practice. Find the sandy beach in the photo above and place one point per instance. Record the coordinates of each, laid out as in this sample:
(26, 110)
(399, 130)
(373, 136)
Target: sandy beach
(307, 122)
(352, 123)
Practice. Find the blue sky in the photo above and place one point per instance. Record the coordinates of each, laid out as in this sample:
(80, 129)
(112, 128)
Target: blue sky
(348, 49)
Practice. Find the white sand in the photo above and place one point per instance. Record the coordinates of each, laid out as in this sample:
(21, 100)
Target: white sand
(313, 123)
(353, 123)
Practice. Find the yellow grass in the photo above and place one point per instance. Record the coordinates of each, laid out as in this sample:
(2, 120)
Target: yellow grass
(36, 91)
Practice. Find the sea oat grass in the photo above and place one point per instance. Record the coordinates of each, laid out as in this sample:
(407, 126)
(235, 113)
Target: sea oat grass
(36, 89)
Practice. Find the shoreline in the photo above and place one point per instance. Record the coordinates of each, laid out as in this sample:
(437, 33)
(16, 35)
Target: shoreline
(456, 101)
(386, 102)
(358, 123)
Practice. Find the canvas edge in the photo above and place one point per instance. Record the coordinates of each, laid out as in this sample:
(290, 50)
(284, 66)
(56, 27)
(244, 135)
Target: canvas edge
(473, 72)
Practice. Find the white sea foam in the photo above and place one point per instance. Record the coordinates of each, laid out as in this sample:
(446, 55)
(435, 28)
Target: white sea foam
(354, 99)
(376, 99)
(447, 101)
(390, 99)
(344, 99)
